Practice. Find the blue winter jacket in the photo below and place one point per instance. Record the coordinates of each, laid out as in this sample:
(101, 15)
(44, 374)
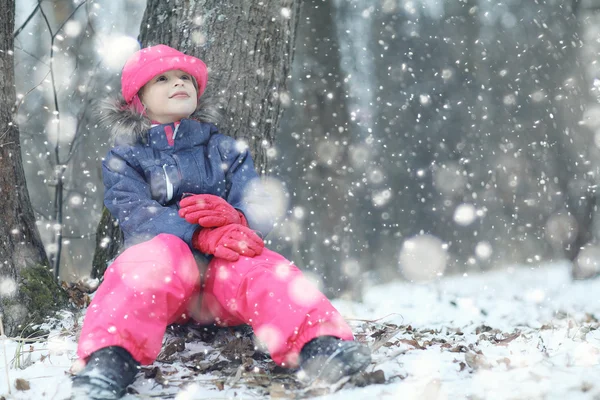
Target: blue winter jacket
(144, 181)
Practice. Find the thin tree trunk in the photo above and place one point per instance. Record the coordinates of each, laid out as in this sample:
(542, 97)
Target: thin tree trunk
(248, 48)
(29, 291)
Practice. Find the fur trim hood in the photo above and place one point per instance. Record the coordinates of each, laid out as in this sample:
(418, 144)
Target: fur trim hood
(127, 126)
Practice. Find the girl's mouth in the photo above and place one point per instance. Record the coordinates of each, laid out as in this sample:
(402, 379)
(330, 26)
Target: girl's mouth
(179, 95)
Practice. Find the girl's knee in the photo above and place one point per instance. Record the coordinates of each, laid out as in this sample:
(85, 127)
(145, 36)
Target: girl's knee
(267, 259)
(162, 258)
(268, 264)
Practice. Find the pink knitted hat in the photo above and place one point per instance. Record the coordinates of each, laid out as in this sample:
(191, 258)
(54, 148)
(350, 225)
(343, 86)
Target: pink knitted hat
(146, 63)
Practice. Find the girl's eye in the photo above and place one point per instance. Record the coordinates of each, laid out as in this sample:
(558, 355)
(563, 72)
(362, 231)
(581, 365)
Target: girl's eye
(161, 78)
(185, 77)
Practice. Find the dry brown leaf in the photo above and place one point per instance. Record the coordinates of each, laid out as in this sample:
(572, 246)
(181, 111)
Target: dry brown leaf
(461, 364)
(412, 342)
(482, 329)
(175, 345)
(476, 361)
(369, 378)
(508, 339)
(384, 337)
(156, 374)
(22, 384)
(78, 293)
(460, 348)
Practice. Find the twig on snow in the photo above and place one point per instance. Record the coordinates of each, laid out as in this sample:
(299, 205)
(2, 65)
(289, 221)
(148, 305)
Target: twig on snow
(373, 320)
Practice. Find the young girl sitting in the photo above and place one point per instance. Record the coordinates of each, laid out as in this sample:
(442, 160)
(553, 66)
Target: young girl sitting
(194, 215)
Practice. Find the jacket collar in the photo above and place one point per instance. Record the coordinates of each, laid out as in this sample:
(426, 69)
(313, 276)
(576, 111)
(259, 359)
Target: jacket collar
(128, 127)
(177, 135)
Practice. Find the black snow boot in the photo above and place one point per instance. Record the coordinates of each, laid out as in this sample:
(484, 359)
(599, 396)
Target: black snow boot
(106, 375)
(329, 358)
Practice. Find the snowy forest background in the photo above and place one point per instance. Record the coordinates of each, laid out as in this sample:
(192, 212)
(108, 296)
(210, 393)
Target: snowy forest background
(419, 137)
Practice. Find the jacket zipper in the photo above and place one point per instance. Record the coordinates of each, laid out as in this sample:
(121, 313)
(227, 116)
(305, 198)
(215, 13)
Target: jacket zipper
(169, 183)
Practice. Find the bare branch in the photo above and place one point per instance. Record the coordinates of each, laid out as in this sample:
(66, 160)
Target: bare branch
(68, 18)
(58, 195)
(32, 56)
(29, 18)
(76, 139)
(60, 162)
(20, 103)
(45, 19)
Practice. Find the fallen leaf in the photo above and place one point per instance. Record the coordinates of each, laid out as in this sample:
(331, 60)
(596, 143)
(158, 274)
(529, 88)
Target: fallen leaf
(175, 345)
(384, 337)
(482, 329)
(22, 384)
(508, 339)
(476, 361)
(412, 342)
(369, 378)
(156, 374)
(460, 348)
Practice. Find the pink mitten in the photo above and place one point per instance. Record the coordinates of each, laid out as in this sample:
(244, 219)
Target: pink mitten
(209, 211)
(228, 242)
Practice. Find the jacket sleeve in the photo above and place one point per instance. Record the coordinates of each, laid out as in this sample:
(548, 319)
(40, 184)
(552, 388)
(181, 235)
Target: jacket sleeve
(128, 197)
(245, 190)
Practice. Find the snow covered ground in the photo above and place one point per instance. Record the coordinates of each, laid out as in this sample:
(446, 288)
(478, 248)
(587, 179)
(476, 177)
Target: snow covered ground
(521, 333)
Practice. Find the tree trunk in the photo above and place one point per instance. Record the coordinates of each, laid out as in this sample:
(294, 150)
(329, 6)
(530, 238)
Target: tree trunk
(29, 291)
(585, 202)
(248, 48)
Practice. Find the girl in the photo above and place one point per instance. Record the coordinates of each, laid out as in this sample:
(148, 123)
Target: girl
(194, 216)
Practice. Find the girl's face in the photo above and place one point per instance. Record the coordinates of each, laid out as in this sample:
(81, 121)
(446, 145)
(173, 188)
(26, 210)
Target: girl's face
(169, 96)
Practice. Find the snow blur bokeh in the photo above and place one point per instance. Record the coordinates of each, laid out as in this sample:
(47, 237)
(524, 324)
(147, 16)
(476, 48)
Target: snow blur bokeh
(61, 129)
(450, 179)
(8, 286)
(266, 198)
(483, 250)
(588, 261)
(58, 345)
(465, 214)
(115, 49)
(304, 290)
(268, 337)
(561, 229)
(423, 258)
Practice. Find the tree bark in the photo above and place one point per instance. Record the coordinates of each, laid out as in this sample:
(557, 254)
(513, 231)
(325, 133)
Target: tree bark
(29, 292)
(248, 48)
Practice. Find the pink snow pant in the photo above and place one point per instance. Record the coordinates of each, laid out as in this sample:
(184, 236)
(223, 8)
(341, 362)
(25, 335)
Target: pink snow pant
(158, 282)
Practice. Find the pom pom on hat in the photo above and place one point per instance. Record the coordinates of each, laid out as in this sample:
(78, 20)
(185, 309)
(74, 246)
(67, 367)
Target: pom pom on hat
(146, 63)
